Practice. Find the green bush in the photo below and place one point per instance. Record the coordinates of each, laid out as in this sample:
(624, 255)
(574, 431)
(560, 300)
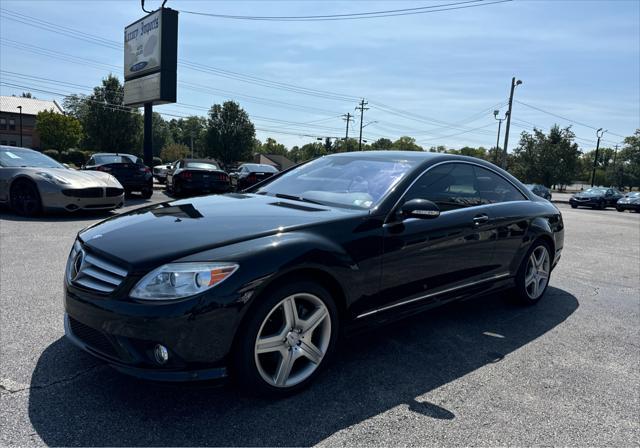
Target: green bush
(53, 153)
(74, 156)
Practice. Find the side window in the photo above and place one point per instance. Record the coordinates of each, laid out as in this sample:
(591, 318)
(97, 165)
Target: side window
(91, 161)
(494, 188)
(451, 186)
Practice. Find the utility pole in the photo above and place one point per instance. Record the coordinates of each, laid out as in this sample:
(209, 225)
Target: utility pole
(615, 172)
(361, 108)
(191, 145)
(514, 83)
(147, 142)
(20, 107)
(495, 115)
(599, 134)
(347, 117)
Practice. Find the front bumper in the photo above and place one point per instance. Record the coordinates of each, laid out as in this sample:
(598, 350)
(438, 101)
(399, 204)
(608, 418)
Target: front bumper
(628, 206)
(56, 200)
(587, 202)
(124, 333)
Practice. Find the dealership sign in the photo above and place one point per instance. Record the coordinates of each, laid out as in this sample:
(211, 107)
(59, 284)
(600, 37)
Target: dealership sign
(150, 59)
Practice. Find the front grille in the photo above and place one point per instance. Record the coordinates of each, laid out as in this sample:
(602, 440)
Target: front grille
(93, 338)
(94, 273)
(112, 191)
(95, 192)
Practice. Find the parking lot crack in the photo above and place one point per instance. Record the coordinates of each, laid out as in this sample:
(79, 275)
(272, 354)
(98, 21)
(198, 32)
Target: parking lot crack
(12, 387)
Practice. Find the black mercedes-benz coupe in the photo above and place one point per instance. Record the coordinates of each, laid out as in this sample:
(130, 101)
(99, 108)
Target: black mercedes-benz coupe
(261, 285)
(596, 197)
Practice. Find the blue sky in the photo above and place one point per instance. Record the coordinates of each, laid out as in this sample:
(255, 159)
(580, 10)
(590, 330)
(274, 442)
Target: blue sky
(444, 71)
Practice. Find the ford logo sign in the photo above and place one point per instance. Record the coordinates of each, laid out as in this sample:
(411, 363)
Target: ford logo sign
(138, 66)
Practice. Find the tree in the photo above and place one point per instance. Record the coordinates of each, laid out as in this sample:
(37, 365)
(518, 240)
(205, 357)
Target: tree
(312, 150)
(230, 133)
(546, 159)
(58, 131)
(174, 151)
(628, 161)
(27, 95)
(271, 146)
(406, 143)
(110, 126)
(160, 133)
(382, 143)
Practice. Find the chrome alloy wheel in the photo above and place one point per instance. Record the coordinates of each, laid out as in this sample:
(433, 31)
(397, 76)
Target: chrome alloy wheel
(537, 273)
(293, 340)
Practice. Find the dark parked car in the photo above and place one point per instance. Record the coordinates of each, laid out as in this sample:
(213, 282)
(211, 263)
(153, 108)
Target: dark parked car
(249, 174)
(595, 197)
(630, 201)
(262, 284)
(540, 190)
(195, 176)
(130, 171)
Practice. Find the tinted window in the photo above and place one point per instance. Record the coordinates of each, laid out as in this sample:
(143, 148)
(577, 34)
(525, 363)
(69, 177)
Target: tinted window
(104, 160)
(258, 168)
(494, 188)
(450, 186)
(202, 165)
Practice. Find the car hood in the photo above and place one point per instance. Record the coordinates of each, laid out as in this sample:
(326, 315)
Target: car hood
(587, 195)
(78, 179)
(164, 232)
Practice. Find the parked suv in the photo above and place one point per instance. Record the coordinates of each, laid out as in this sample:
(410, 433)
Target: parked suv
(130, 171)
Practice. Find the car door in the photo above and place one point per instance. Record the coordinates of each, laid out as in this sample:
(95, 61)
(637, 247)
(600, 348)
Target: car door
(509, 212)
(425, 256)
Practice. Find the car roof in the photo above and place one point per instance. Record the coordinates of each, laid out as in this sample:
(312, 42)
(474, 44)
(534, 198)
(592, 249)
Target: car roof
(13, 148)
(200, 161)
(113, 154)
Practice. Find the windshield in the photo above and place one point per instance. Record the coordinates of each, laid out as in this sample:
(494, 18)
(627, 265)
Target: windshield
(595, 191)
(105, 160)
(254, 167)
(343, 181)
(17, 157)
(202, 165)
(633, 194)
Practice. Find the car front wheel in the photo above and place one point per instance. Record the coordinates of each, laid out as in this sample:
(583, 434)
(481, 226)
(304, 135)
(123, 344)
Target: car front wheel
(25, 198)
(287, 339)
(533, 277)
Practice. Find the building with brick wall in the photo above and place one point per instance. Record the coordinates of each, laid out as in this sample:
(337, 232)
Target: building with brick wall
(10, 120)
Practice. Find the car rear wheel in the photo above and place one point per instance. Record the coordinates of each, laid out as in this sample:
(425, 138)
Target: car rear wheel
(620, 209)
(147, 193)
(533, 277)
(25, 198)
(574, 206)
(287, 339)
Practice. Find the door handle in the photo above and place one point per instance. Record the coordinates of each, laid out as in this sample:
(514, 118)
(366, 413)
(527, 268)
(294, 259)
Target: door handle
(480, 219)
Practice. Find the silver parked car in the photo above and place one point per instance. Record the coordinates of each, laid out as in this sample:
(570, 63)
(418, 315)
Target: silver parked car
(31, 182)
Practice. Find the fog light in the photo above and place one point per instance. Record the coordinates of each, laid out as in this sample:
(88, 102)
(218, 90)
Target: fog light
(161, 354)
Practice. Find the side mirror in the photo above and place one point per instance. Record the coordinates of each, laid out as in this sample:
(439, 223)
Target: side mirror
(419, 208)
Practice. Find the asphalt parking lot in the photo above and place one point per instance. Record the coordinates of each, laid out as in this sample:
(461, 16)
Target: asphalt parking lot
(482, 372)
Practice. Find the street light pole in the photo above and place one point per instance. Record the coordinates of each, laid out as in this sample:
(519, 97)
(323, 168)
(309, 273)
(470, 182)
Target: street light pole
(514, 83)
(495, 115)
(599, 134)
(20, 107)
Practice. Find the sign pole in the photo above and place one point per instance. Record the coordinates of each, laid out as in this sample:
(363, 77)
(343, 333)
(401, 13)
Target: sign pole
(148, 129)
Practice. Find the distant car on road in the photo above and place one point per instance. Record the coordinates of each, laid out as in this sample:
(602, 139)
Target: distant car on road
(31, 182)
(596, 197)
(160, 172)
(197, 176)
(540, 190)
(130, 171)
(630, 201)
(249, 174)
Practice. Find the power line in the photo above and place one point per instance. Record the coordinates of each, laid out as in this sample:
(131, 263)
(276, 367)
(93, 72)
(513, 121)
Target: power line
(355, 16)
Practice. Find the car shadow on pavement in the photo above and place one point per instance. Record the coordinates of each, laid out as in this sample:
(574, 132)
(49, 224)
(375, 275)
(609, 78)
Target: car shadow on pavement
(76, 400)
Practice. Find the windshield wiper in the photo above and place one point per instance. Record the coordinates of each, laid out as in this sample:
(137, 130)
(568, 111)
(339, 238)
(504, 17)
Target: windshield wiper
(296, 198)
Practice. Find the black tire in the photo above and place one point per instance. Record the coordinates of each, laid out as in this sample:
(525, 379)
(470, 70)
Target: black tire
(574, 206)
(522, 295)
(176, 189)
(25, 198)
(244, 360)
(620, 209)
(147, 193)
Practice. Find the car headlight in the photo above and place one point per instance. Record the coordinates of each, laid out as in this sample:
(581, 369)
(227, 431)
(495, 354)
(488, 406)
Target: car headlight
(52, 178)
(178, 280)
